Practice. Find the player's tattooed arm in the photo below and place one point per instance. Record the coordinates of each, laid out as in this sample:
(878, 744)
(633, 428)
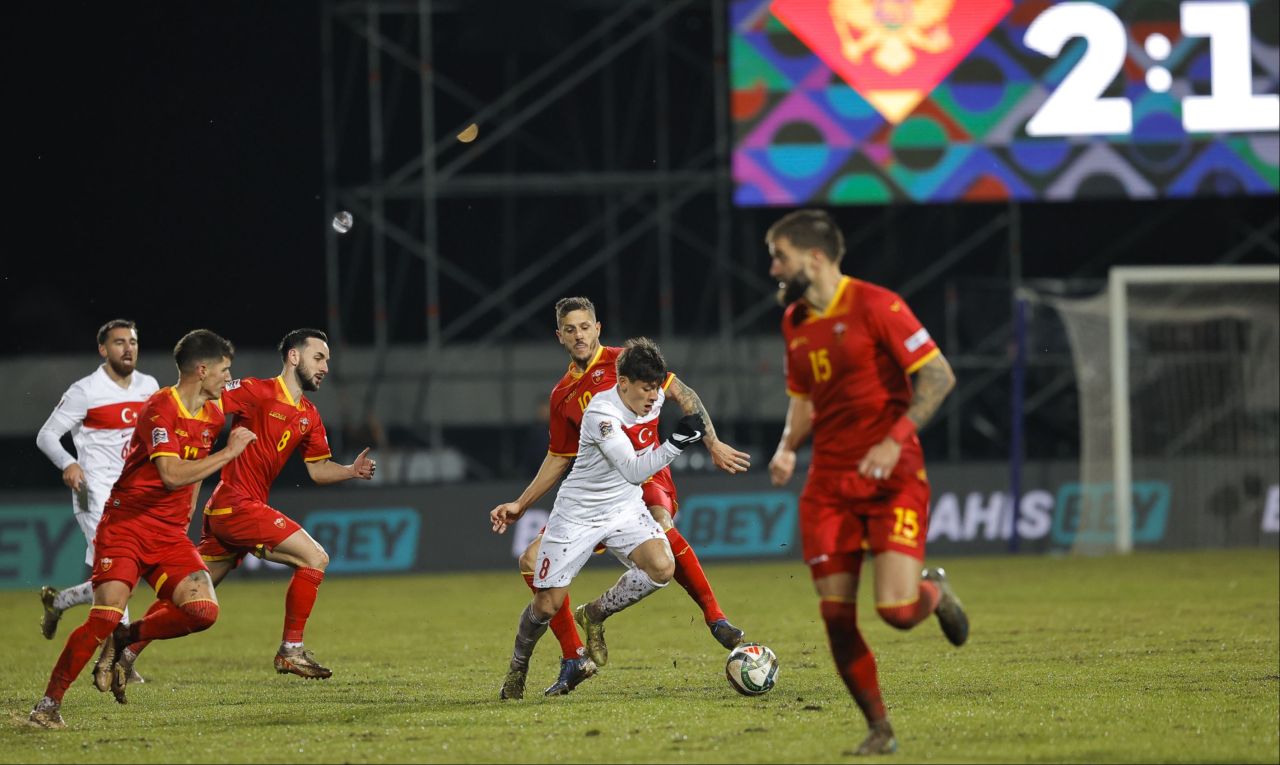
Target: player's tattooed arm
(689, 403)
(723, 456)
(930, 386)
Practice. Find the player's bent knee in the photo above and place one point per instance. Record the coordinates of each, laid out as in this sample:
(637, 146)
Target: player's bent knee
(321, 559)
(201, 614)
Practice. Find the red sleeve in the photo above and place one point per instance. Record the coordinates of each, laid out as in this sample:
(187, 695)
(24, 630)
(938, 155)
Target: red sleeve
(161, 417)
(315, 446)
(900, 332)
(563, 432)
(799, 379)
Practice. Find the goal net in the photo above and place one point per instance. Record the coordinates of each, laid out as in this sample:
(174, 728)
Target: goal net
(1178, 370)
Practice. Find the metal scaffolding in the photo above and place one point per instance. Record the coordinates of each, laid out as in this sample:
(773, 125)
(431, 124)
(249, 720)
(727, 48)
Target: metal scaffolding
(602, 168)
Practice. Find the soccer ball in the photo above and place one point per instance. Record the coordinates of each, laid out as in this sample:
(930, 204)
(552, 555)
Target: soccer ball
(752, 669)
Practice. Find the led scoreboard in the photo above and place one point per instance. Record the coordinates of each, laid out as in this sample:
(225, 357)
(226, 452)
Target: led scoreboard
(875, 101)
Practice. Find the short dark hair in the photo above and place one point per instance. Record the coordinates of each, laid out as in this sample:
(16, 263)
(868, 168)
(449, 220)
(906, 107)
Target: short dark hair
(105, 329)
(200, 345)
(565, 306)
(641, 361)
(809, 230)
(297, 339)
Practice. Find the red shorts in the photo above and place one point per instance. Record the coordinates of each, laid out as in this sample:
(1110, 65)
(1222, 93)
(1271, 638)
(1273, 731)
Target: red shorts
(249, 527)
(660, 494)
(843, 514)
(127, 550)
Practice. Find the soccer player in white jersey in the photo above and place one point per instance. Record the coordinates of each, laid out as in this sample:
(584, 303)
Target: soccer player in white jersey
(100, 412)
(601, 502)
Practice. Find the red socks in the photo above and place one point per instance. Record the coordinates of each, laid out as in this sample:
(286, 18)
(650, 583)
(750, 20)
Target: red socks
(562, 626)
(80, 647)
(299, 600)
(904, 616)
(691, 577)
(854, 660)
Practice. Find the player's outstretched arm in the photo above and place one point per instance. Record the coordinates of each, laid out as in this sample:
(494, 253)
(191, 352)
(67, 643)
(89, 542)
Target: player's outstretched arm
(176, 472)
(552, 469)
(327, 471)
(798, 425)
(723, 456)
(929, 387)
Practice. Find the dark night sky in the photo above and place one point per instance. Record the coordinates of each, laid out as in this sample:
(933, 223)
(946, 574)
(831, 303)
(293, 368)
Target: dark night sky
(164, 164)
(160, 151)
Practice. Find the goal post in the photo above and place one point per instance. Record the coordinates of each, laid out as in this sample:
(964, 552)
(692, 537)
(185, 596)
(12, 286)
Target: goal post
(1119, 280)
(1178, 374)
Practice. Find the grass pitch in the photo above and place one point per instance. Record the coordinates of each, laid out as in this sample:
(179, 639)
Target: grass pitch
(1156, 657)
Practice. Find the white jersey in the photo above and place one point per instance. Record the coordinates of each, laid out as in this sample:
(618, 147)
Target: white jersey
(100, 416)
(617, 451)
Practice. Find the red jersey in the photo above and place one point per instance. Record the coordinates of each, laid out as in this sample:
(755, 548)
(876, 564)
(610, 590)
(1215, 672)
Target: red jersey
(164, 428)
(281, 424)
(853, 360)
(571, 395)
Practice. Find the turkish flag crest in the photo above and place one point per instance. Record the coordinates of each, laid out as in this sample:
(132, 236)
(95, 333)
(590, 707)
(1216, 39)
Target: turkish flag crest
(892, 52)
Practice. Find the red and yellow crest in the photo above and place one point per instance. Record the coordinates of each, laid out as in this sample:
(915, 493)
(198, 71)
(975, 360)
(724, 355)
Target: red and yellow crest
(597, 376)
(892, 52)
(104, 564)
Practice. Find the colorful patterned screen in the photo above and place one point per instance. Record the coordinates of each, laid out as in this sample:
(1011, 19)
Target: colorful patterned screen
(879, 101)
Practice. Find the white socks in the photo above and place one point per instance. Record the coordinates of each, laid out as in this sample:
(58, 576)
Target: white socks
(632, 587)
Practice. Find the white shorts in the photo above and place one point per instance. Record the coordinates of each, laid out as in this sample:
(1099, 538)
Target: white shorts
(87, 506)
(567, 544)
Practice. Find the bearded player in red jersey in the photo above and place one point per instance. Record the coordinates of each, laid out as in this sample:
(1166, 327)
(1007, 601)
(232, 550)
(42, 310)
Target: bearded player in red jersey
(143, 532)
(863, 376)
(237, 519)
(592, 369)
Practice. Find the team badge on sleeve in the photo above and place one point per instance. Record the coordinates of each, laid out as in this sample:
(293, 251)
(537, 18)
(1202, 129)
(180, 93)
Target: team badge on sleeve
(159, 436)
(914, 342)
(606, 428)
(233, 384)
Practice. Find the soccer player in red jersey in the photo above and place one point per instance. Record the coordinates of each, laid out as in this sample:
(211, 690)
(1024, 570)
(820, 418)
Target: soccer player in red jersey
(592, 369)
(237, 519)
(863, 376)
(143, 533)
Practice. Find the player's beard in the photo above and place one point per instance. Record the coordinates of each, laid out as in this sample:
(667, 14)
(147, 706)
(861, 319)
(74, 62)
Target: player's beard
(306, 381)
(791, 290)
(121, 367)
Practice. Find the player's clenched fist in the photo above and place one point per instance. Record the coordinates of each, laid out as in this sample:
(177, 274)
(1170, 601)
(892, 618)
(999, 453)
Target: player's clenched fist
(504, 515)
(782, 466)
(239, 439)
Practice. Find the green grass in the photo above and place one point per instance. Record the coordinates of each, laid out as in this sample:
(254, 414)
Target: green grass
(1155, 657)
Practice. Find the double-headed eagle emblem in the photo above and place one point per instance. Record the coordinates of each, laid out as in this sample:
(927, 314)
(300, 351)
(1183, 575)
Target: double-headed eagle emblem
(893, 29)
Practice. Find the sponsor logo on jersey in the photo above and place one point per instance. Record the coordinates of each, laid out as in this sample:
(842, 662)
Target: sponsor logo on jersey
(159, 436)
(597, 376)
(278, 416)
(606, 428)
(895, 306)
(797, 341)
(181, 432)
(913, 343)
